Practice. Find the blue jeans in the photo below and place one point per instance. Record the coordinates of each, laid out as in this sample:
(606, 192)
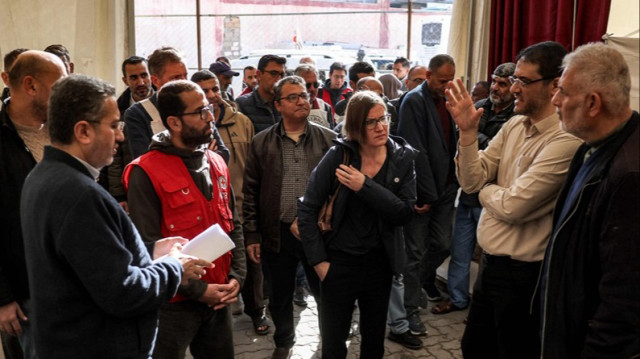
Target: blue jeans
(462, 246)
(397, 320)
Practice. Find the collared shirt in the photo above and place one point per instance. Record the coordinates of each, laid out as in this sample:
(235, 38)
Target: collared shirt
(519, 176)
(295, 174)
(95, 173)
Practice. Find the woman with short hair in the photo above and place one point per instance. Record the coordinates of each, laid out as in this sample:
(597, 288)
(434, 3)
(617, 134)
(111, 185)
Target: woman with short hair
(356, 260)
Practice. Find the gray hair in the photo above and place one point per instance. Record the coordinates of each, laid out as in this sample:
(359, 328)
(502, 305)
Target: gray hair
(305, 68)
(293, 80)
(74, 99)
(602, 69)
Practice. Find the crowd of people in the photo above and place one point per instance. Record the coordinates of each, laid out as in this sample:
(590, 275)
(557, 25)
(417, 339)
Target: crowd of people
(354, 190)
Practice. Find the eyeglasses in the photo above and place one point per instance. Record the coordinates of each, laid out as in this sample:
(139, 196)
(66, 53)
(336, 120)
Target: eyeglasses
(523, 81)
(275, 73)
(203, 112)
(314, 84)
(371, 123)
(418, 81)
(295, 96)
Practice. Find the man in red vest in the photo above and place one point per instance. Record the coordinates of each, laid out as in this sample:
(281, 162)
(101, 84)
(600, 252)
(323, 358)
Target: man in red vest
(180, 188)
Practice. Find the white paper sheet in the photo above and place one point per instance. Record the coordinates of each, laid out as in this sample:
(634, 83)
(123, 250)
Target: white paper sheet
(212, 243)
(208, 245)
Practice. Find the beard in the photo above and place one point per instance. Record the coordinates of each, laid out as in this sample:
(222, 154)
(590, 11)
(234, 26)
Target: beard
(193, 137)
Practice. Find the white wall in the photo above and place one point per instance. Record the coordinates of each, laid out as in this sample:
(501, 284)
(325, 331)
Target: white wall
(94, 31)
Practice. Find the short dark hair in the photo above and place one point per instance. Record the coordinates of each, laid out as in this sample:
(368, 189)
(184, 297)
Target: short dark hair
(484, 84)
(60, 51)
(293, 80)
(547, 55)
(247, 68)
(440, 60)
(11, 57)
(169, 101)
(203, 75)
(266, 59)
(356, 114)
(131, 60)
(403, 61)
(162, 56)
(337, 66)
(76, 98)
(360, 67)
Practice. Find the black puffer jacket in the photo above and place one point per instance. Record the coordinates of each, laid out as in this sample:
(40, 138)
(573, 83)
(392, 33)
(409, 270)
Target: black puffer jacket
(259, 112)
(393, 201)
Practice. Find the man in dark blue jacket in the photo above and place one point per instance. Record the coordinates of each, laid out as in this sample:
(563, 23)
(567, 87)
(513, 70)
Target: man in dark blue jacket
(95, 291)
(426, 124)
(259, 105)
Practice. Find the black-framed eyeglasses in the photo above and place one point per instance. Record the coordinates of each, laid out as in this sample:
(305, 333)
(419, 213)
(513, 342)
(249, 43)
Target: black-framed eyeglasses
(275, 73)
(295, 96)
(371, 123)
(204, 112)
(523, 81)
(314, 84)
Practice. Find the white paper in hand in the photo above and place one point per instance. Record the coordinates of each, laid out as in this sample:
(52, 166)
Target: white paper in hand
(210, 244)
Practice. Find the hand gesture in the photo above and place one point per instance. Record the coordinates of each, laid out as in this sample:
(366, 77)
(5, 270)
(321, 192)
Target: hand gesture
(350, 177)
(461, 107)
(164, 245)
(192, 267)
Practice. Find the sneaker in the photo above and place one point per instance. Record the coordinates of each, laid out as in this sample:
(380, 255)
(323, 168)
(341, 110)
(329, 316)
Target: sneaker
(416, 327)
(406, 339)
(300, 297)
(433, 294)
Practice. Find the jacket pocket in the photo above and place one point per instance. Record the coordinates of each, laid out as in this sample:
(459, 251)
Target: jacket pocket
(183, 210)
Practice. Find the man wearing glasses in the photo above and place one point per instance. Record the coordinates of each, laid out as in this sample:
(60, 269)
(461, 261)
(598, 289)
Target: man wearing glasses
(142, 118)
(181, 188)
(321, 112)
(278, 168)
(259, 105)
(518, 177)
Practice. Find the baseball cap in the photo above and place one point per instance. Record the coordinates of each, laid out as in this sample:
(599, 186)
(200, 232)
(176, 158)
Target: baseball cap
(222, 68)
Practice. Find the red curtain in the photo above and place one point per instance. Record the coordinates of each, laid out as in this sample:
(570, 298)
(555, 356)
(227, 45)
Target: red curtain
(516, 24)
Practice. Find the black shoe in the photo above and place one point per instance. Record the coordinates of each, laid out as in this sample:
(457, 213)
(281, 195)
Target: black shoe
(300, 297)
(433, 294)
(416, 327)
(406, 339)
(281, 353)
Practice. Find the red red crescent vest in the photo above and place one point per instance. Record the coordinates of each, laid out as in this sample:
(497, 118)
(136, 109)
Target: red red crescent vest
(186, 211)
(326, 97)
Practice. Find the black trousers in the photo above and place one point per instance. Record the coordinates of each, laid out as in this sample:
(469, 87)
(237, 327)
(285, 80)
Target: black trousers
(281, 269)
(366, 279)
(499, 323)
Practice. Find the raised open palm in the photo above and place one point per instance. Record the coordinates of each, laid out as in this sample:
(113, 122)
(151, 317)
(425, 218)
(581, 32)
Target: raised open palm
(461, 107)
